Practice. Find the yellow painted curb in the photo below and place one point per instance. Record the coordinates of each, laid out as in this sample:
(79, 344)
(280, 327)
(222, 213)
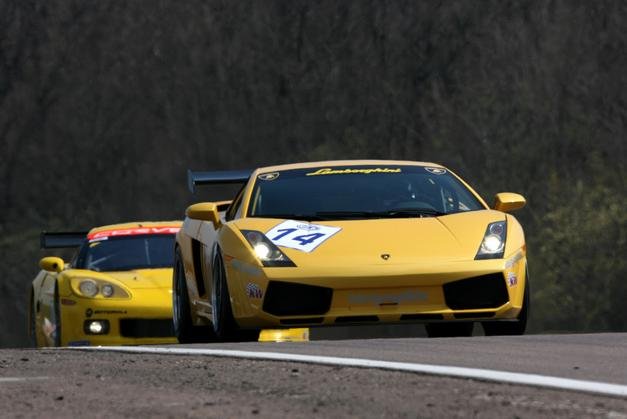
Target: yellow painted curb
(284, 335)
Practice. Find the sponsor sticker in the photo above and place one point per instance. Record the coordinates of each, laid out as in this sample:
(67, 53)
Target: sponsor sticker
(244, 267)
(133, 232)
(435, 170)
(253, 291)
(109, 311)
(348, 171)
(300, 236)
(512, 279)
(515, 259)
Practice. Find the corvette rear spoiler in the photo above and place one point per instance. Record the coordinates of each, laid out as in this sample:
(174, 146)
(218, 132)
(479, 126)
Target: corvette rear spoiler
(62, 240)
(221, 177)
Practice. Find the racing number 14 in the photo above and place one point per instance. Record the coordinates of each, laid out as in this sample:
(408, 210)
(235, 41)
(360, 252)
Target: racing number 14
(300, 235)
(303, 239)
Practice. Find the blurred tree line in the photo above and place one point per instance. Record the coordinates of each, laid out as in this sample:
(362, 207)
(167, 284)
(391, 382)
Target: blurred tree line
(105, 104)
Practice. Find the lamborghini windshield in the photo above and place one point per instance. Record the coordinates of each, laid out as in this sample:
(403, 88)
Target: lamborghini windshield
(360, 192)
(127, 252)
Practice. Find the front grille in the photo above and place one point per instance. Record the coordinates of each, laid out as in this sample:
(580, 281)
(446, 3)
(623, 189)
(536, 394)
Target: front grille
(310, 320)
(146, 328)
(290, 299)
(473, 315)
(486, 291)
(356, 319)
(420, 317)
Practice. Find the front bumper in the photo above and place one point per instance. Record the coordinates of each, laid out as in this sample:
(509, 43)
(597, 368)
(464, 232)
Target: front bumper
(136, 321)
(427, 292)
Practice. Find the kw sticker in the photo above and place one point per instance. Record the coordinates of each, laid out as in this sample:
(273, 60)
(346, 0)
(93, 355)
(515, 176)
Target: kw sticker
(253, 291)
(300, 235)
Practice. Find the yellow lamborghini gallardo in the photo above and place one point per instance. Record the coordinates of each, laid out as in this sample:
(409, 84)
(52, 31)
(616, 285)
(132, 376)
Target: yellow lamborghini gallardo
(116, 290)
(349, 242)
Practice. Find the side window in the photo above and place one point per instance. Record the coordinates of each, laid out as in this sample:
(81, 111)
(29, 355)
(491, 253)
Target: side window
(234, 207)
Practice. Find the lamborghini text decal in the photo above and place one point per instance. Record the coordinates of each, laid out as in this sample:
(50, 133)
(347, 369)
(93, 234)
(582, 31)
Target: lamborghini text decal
(329, 171)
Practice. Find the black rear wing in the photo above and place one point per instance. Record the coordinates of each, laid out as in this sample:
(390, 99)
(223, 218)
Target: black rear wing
(63, 240)
(221, 177)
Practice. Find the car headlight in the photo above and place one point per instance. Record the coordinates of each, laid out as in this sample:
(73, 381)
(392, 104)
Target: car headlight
(493, 243)
(97, 288)
(266, 251)
(88, 288)
(107, 290)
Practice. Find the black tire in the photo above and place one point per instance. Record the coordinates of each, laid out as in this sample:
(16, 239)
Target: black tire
(56, 319)
(224, 325)
(511, 328)
(184, 330)
(32, 321)
(449, 330)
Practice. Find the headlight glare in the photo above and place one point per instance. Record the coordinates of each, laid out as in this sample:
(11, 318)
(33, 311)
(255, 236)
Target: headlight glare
(96, 327)
(266, 251)
(493, 244)
(262, 251)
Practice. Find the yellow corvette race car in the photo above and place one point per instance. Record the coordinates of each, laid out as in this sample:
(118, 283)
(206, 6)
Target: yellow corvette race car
(349, 242)
(115, 291)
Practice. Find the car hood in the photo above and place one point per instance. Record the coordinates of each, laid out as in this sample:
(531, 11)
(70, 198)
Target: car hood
(133, 279)
(452, 237)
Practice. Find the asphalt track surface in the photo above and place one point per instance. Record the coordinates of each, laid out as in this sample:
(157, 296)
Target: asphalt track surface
(70, 382)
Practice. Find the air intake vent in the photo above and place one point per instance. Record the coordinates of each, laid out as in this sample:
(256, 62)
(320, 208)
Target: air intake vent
(486, 291)
(146, 328)
(290, 299)
(310, 320)
(356, 319)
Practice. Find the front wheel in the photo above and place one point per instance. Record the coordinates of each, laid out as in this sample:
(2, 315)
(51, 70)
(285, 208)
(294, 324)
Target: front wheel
(53, 328)
(184, 330)
(224, 325)
(32, 323)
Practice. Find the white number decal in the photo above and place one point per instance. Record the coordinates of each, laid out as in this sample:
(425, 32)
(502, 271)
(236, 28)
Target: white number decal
(300, 235)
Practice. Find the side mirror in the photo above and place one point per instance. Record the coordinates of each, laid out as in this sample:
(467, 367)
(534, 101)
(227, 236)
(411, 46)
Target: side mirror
(204, 211)
(52, 264)
(508, 201)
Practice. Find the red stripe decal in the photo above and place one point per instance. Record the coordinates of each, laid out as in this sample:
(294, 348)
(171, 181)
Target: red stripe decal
(134, 231)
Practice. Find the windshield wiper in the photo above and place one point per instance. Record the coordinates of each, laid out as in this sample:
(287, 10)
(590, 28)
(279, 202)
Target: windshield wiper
(340, 215)
(393, 213)
(413, 212)
(300, 217)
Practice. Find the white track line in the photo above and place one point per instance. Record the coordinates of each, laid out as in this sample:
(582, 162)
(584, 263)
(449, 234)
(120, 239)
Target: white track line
(474, 373)
(20, 379)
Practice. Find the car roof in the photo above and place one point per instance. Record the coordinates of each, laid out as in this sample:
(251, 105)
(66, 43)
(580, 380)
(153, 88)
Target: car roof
(334, 163)
(135, 224)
